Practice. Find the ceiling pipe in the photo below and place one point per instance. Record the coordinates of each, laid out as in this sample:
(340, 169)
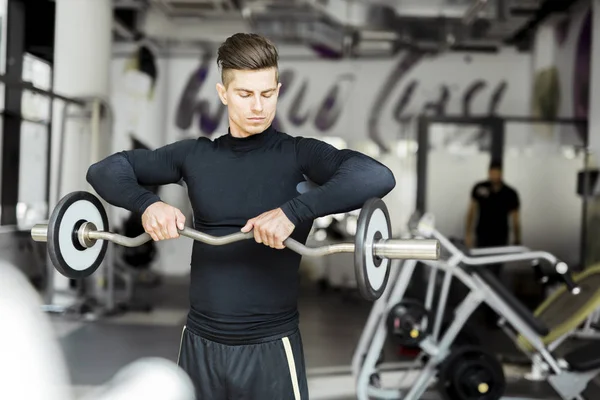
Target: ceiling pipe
(472, 12)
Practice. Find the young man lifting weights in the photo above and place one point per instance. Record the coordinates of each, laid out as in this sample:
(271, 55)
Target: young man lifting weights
(241, 339)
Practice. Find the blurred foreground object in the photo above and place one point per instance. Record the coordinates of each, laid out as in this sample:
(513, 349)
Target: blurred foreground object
(33, 367)
(147, 378)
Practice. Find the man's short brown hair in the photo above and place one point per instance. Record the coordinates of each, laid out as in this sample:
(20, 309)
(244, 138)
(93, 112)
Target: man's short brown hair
(246, 51)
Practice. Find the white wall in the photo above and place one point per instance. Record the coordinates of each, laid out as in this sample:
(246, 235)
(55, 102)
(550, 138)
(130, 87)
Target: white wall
(559, 218)
(362, 87)
(138, 112)
(450, 178)
(550, 208)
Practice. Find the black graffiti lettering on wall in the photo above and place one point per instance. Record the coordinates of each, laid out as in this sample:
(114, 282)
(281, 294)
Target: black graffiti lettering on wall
(404, 101)
(435, 107)
(470, 93)
(331, 107)
(286, 77)
(438, 106)
(402, 68)
(482, 136)
(497, 97)
(186, 107)
(470, 97)
(208, 121)
(295, 115)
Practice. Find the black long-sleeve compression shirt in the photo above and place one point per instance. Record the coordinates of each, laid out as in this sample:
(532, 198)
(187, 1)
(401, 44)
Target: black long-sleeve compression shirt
(244, 292)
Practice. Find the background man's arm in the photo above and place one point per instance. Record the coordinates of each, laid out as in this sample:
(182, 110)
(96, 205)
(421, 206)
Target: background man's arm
(516, 223)
(515, 217)
(471, 213)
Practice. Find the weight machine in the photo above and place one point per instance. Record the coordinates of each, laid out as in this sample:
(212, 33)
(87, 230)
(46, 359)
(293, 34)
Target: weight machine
(463, 370)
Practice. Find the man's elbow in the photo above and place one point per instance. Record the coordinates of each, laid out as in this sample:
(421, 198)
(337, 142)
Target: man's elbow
(386, 181)
(103, 169)
(92, 173)
(96, 172)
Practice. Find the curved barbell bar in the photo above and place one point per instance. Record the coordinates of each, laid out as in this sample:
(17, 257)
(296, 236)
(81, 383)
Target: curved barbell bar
(419, 249)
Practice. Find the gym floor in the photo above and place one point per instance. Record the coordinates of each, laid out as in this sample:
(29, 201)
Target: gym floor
(331, 324)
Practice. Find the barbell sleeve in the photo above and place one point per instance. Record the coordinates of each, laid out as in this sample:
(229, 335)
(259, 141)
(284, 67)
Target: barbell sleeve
(39, 233)
(408, 249)
(385, 248)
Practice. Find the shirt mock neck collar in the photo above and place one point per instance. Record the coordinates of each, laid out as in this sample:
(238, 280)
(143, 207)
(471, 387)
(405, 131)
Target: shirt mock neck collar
(249, 142)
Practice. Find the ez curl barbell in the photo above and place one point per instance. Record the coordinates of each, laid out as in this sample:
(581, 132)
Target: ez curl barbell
(77, 235)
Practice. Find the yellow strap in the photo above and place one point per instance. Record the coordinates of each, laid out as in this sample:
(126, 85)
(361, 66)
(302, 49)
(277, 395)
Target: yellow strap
(292, 365)
(180, 344)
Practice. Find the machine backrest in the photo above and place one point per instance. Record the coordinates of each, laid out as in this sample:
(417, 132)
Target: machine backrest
(494, 283)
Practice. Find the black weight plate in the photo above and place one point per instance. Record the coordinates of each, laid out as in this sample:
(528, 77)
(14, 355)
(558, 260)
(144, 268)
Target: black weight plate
(410, 314)
(68, 256)
(459, 373)
(372, 273)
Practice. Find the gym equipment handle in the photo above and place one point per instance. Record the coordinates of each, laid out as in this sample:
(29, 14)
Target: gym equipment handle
(563, 271)
(385, 248)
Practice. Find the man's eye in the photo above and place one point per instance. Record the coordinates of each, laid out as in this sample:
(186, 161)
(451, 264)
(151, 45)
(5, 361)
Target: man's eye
(245, 95)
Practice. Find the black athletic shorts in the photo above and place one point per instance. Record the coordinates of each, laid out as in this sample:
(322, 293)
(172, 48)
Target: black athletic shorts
(273, 370)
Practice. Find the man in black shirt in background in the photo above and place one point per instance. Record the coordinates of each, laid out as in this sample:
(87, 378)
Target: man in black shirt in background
(494, 205)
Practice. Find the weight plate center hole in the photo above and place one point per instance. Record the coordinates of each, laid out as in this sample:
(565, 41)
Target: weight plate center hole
(376, 259)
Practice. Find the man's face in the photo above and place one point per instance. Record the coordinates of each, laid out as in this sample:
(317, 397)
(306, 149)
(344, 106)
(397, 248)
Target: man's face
(251, 99)
(495, 175)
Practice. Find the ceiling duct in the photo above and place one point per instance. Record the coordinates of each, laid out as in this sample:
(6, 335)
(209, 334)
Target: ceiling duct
(348, 27)
(221, 9)
(298, 23)
(432, 8)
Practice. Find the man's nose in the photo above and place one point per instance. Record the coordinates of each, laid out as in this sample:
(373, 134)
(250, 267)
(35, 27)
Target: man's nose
(257, 104)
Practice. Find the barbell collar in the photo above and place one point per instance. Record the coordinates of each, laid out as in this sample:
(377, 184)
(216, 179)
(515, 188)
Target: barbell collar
(83, 234)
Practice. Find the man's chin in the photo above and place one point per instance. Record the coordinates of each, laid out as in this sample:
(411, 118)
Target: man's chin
(256, 127)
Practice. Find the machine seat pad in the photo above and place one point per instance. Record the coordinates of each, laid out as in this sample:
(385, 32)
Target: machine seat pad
(584, 358)
(488, 277)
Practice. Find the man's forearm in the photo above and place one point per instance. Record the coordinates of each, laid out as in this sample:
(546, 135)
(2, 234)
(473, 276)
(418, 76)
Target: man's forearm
(114, 180)
(517, 231)
(469, 222)
(358, 179)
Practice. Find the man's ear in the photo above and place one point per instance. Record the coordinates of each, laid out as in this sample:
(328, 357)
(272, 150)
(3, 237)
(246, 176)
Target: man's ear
(222, 92)
(278, 87)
